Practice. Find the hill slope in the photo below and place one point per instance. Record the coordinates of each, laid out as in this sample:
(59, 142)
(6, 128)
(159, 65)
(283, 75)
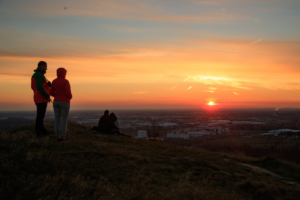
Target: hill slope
(97, 166)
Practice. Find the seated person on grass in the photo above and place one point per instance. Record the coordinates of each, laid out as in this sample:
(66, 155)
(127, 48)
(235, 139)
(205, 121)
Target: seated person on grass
(115, 120)
(105, 124)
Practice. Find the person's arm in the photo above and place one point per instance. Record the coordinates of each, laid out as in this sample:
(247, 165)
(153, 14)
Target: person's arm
(100, 122)
(32, 83)
(39, 86)
(52, 91)
(112, 124)
(68, 90)
(117, 123)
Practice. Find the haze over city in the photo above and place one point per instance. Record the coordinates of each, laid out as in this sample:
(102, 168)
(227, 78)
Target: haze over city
(154, 54)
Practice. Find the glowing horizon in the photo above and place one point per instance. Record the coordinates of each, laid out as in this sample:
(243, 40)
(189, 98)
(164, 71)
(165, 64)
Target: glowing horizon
(154, 54)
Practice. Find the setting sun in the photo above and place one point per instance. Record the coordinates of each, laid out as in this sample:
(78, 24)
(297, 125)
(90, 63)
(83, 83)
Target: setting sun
(211, 103)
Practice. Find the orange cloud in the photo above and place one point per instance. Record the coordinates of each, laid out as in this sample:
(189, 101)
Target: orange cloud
(262, 77)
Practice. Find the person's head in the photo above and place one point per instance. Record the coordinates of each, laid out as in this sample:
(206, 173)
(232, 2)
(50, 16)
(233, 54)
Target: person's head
(61, 72)
(42, 65)
(106, 112)
(113, 116)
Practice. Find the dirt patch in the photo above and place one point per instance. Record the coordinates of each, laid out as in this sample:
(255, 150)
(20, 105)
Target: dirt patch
(261, 170)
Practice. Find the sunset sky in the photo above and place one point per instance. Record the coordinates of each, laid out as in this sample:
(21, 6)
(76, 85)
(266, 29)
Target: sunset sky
(153, 54)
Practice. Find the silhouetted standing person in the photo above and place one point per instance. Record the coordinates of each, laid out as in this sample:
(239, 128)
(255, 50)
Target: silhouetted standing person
(41, 88)
(61, 91)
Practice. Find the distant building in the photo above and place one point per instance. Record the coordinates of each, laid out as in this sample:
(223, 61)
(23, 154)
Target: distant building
(207, 130)
(218, 122)
(248, 122)
(142, 134)
(143, 124)
(279, 131)
(178, 136)
(169, 124)
(220, 130)
(198, 133)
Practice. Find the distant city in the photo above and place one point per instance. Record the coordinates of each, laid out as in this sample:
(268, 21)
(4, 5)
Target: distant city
(179, 124)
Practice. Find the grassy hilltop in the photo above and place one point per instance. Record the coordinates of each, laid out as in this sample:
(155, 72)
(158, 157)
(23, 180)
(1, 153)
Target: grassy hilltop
(97, 166)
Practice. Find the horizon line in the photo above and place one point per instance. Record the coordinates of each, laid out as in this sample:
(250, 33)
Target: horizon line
(166, 109)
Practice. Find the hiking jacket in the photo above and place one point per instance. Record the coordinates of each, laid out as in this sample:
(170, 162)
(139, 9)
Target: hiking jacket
(39, 86)
(61, 89)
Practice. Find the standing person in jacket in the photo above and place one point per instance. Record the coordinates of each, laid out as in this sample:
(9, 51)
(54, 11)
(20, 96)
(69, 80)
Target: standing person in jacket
(41, 89)
(61, 91)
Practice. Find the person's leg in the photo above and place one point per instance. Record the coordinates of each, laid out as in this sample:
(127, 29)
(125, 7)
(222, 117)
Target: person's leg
(43, 113)
(37, 119)
(57, 112)
(65, 108)
(40, 115)
(118, 132)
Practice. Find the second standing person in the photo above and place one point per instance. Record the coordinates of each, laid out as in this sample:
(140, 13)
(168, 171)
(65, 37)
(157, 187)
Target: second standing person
(61, 91)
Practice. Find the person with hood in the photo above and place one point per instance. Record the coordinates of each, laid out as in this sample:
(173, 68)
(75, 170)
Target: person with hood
(41, 89)
(61, 91)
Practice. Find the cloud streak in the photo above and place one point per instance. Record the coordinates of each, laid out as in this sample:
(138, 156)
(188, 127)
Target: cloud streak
(152, 80)
(187, 79)
(190, 87)
(254, 42)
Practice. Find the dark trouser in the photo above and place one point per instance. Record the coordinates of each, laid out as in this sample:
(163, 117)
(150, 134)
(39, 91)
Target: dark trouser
(40, 115)
(118, 132)
(115, 131)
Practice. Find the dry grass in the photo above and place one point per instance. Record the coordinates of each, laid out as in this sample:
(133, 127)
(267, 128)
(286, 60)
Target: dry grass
(94, 166)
